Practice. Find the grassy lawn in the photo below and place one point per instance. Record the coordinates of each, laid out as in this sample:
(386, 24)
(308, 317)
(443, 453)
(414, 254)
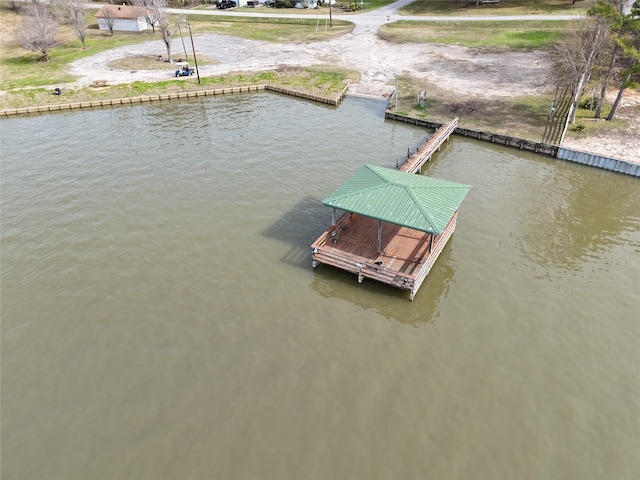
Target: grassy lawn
(20, 69)
(523, 117)
(279, 30)
(326, 81)
(504, 7)
(498, 34)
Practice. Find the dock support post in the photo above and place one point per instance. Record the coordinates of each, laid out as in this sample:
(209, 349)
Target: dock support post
(360, 277)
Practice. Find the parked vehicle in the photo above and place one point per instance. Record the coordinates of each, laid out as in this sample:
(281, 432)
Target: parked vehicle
(225, 4)
(185, 70)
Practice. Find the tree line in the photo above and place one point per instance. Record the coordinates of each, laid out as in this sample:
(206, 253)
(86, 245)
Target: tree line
(39, 31)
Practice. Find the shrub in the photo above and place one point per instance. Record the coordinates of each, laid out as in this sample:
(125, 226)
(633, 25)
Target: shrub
(591, 103)
(348, 7)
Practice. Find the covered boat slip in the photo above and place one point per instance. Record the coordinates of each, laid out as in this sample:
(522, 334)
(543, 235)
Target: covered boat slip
(405, 259)
(395, 227)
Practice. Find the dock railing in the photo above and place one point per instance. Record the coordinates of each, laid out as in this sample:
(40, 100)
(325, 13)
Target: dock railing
(424, 154)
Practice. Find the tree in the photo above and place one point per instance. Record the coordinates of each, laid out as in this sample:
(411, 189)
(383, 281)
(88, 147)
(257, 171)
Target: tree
(39, 32)
(622, 28)
(612, 10)
(108, 15)
(73, 13)
(577, 56)
(630, 46)
(149, 9)
(156, 15)
(164, 24)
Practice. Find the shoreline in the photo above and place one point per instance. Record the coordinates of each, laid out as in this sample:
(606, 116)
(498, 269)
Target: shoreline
(555, 151)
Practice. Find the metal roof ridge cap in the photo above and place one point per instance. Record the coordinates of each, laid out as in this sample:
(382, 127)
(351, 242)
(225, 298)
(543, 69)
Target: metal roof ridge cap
(374, 169)
(355, 193)
(430, 220)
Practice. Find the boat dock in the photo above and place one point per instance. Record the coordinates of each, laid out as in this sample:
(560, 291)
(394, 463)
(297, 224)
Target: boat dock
(395, 224)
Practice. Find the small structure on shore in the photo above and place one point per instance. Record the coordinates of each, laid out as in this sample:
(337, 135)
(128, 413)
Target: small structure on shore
(123, 18)
(394, 227)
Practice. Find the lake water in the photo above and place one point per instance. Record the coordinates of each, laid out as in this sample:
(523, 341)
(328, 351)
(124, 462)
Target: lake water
(161, 319)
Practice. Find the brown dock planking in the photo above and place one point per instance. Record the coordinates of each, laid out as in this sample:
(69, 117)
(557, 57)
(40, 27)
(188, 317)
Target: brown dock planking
(405, 255)
(423, 154)
(405, 259)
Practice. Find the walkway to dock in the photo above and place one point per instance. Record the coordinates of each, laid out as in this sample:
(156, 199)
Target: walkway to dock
(423, 155)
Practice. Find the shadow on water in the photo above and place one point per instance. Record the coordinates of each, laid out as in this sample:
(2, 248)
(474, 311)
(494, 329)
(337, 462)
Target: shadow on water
(300, 227)
(391, 303)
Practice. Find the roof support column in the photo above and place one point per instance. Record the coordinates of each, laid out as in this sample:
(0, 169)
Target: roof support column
(333, 217)
(379, 237)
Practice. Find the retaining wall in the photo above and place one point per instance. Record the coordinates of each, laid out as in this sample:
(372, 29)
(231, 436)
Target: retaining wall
(536, 147)
(599, 161)
(555, 151)
(168, 96)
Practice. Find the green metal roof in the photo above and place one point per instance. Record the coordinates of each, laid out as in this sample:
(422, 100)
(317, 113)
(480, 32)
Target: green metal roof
(422, 203)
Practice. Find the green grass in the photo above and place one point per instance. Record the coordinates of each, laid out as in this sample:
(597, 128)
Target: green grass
(20, 69)
(280, 30)
(326, 81)
(505, 7)
(522, 117)
(498, 34)
(24, 70)
(586, 125)
(374, 4)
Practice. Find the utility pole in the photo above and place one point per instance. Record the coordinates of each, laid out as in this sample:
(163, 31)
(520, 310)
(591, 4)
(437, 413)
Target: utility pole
(396, 91)
(195, 59)
(186, 57)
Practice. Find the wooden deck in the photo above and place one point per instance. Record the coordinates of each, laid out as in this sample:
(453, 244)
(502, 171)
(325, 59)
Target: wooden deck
(406, 255)
(423, 155)
(404, 261)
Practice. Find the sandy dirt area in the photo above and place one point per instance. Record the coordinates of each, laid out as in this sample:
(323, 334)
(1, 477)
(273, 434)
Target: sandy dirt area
(625, 144)
(462, 71)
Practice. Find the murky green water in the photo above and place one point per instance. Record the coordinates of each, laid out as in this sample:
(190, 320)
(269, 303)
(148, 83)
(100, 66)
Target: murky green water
(161, 320)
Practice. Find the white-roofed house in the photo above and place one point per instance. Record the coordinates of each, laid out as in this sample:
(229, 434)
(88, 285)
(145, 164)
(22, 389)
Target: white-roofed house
(122, 18)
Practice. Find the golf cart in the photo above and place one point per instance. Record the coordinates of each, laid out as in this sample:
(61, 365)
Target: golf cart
(184, 70)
